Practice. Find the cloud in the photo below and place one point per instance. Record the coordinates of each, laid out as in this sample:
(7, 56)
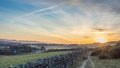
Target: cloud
(99, 29)
(112, 6)
(104, 5)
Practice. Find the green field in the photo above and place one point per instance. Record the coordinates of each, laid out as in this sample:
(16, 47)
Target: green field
(6, 61)
(107, 63)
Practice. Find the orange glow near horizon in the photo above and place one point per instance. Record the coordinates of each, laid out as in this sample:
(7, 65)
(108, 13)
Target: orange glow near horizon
(71, 41)
(67, 39)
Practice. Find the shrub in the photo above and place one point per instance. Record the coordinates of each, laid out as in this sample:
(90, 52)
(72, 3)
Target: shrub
(115, 52)
(108, 52)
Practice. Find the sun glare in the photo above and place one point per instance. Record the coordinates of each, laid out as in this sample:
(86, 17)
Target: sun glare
(101, 40)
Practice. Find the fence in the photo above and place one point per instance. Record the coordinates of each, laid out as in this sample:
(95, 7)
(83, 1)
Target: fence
(58, 61)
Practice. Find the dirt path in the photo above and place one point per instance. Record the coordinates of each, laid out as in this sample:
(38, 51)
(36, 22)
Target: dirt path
(84, 64)
(88, 63)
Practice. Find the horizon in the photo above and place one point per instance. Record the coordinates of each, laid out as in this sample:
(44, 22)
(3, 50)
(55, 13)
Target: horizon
(66, 22)
(56, 43)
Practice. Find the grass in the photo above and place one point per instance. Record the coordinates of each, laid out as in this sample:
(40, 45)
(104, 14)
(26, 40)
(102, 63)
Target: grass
(107, 63)
(78, 63)
(6, 61)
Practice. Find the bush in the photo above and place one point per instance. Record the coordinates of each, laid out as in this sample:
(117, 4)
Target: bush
(115, 52)
(103, 56)
(107, 52)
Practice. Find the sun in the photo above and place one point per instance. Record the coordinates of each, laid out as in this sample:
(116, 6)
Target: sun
(101, 40)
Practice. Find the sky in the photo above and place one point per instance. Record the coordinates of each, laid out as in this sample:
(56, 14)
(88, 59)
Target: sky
(60, 21)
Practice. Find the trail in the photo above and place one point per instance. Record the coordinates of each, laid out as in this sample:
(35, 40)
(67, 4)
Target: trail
(88, 63)
(84, 63)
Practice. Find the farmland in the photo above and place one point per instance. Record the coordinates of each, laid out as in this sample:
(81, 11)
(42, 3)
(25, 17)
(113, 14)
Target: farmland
(6, 61)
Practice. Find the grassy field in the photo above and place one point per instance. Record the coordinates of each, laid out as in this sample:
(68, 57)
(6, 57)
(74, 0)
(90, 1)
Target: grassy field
(79, 63)
(6, 61)
(107, 63)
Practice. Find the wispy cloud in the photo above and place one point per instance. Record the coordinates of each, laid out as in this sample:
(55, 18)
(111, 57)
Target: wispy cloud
(101, 5)
(42, 10)
(72, 21)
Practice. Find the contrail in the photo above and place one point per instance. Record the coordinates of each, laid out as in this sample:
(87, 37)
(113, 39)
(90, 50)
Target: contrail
(41, 10)
(36, 11)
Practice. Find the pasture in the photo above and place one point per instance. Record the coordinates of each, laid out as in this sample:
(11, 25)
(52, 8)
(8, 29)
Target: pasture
(6, 61)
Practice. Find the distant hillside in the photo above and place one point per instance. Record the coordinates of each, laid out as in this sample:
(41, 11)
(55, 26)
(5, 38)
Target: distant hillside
(5, 41)
(108, 51)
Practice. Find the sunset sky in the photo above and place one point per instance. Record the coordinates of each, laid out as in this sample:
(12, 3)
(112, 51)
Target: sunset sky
(60, 21)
